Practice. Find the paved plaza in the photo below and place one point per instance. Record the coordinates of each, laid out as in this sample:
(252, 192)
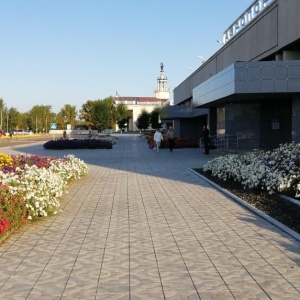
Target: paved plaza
(141, 225)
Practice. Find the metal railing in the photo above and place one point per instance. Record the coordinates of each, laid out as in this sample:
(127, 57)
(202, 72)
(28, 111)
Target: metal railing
(224, 141)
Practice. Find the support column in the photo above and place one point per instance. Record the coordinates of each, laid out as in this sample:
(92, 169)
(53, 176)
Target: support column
(296, 119)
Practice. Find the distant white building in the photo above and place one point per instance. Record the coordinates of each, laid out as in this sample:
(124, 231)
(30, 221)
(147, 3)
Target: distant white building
(137, 104)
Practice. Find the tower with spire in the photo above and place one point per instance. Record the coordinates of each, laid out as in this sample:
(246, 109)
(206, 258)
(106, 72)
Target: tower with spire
(162, 92)
(136, 105)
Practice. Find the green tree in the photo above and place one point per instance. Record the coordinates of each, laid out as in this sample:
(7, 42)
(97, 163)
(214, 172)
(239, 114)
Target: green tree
(154, 118)
(86, 113)
(67, 115)
(14, 118)
(1, 104)
(122, 115)
(39, 118)
(2, 114)
(163, 113)
(25, 120)
(143, 120)
(103, 114)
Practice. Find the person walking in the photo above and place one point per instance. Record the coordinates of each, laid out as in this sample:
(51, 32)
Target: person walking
(158, 138)
(205, 139)
(171, 138)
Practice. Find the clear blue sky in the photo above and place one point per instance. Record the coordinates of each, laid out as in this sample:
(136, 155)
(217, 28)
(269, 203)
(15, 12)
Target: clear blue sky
(57, 52)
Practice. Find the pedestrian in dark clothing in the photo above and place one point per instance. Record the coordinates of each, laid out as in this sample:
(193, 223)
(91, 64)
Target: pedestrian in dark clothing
(206, 139)
(64, 134)
(171, 138)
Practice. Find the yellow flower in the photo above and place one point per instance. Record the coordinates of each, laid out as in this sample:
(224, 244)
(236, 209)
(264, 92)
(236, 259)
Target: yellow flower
(5, 160)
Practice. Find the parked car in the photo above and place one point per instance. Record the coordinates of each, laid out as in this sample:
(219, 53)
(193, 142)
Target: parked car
(23, 132)
(2, 133)
(18, 131)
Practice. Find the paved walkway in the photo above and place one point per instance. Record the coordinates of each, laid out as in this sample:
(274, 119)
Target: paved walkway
(140, 225)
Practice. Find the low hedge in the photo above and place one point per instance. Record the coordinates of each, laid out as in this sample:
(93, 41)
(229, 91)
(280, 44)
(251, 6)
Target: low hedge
(78, 144)
(179, 143)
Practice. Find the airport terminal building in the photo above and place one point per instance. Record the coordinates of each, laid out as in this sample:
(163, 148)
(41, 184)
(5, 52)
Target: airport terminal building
(250, 88)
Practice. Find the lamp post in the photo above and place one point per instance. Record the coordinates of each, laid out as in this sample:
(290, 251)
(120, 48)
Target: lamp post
(6, 122)
(46, 124)
(36, 124)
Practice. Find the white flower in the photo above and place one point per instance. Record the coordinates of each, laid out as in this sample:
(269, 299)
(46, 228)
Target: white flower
(274, 171)
(41, 187)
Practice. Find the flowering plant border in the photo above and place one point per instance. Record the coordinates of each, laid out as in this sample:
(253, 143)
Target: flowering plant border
(274, 171)
(31, 186)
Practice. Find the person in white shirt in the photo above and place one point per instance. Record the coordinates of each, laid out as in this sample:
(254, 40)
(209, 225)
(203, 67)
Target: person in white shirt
(158, 138)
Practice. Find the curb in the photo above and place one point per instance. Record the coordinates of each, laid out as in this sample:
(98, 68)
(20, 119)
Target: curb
(266, 217)
(297, 202)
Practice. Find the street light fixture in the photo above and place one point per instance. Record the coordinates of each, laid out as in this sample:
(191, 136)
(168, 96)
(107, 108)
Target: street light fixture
(203, 61)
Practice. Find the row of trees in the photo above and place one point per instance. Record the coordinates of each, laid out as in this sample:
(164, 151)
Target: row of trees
(102, 114)
(38, 119)
(146, 119)
(98, 114)
(94, 114)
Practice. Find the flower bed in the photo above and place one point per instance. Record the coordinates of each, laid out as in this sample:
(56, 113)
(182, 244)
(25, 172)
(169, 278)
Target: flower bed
(94, 143)
(273, 171)
(273, 205)
(31, 186)
(259, 178)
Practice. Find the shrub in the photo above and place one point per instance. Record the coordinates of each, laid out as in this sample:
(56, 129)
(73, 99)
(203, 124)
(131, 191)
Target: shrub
(179, 143)
(185, 143)
(78, 144)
